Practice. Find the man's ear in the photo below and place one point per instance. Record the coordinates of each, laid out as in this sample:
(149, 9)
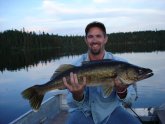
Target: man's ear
(85, 39)
(106, 39)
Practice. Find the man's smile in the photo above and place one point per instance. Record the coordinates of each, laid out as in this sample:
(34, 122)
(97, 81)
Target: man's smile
(95, 46)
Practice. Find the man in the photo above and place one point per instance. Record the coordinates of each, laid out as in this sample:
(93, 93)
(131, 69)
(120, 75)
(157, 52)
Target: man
(89, 105)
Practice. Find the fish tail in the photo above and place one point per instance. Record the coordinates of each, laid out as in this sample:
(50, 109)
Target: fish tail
(34, 95)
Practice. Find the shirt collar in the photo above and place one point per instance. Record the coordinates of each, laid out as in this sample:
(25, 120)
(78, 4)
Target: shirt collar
(107, 55)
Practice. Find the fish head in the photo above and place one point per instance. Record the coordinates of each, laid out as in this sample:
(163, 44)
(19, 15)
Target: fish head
(129, 74)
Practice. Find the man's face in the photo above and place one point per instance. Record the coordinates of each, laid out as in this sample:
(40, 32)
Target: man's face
(96, 40)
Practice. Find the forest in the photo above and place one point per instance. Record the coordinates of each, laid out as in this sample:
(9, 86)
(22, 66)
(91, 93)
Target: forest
(20, 49)
(14, 40)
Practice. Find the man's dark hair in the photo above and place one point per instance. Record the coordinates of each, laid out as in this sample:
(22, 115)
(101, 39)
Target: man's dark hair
(95, 24)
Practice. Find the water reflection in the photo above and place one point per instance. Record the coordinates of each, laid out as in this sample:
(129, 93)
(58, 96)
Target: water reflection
(12, 83)
(16, 60)
(150, 90)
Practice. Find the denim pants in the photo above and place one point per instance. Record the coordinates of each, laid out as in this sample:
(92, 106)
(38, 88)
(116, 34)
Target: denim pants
(118, 116)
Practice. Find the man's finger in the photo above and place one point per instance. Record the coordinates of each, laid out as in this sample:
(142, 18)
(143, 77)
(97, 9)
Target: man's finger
(66, 84)
(117, 82)
(84, 81)
(72, 79)
(75, 79)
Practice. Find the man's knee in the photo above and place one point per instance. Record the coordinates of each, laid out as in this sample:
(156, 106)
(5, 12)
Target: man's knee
(121, 116)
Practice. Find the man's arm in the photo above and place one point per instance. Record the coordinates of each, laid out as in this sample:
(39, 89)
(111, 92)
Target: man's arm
(125, 93)
(77, 98)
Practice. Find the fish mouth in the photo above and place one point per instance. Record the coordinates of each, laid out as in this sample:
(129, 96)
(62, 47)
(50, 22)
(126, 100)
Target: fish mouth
(146, 74)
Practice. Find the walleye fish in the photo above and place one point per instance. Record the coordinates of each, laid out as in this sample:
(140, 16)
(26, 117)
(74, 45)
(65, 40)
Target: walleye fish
(97, 73)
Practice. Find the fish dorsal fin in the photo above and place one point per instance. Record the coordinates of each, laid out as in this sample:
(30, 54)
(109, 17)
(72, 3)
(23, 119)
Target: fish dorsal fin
(64, 67)
(61, 69)
(86, 62)
(95, 61)
(107, 90)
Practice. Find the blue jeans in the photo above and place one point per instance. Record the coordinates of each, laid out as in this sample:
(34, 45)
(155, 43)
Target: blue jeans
(118, 116)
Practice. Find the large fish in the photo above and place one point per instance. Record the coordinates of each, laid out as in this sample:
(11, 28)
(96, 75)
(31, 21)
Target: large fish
(97, 73)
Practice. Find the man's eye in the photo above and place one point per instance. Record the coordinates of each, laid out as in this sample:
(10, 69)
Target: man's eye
(98, 36)
(90, 36)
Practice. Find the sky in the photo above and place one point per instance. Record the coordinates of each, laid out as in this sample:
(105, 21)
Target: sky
(70, 17)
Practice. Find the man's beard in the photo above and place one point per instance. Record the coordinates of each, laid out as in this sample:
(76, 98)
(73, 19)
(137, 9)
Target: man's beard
(95, 52)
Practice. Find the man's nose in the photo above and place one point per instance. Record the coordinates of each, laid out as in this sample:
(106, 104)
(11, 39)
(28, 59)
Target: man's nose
(95, 39)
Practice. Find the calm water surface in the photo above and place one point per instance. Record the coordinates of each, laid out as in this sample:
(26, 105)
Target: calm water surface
(150, 91)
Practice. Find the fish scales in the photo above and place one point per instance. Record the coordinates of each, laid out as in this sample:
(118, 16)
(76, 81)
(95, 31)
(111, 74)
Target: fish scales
(101, 72)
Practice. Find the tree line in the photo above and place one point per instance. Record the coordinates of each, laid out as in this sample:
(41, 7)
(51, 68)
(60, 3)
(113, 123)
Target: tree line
(16, 40)
(20, 49)
(29, 41)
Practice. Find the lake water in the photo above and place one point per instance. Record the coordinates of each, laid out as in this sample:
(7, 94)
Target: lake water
(150, 91)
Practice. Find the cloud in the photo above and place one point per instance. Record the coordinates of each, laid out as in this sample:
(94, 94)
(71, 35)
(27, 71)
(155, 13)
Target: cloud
(100, 1)
(53, 7)
(62, 16)
(31, 19)
(68, 11)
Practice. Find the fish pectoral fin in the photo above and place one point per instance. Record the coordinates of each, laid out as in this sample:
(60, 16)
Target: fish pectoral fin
(107, 89)
(121, 81)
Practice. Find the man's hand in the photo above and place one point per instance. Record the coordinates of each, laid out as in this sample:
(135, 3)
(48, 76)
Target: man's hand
(75, 87)
(120, 88)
